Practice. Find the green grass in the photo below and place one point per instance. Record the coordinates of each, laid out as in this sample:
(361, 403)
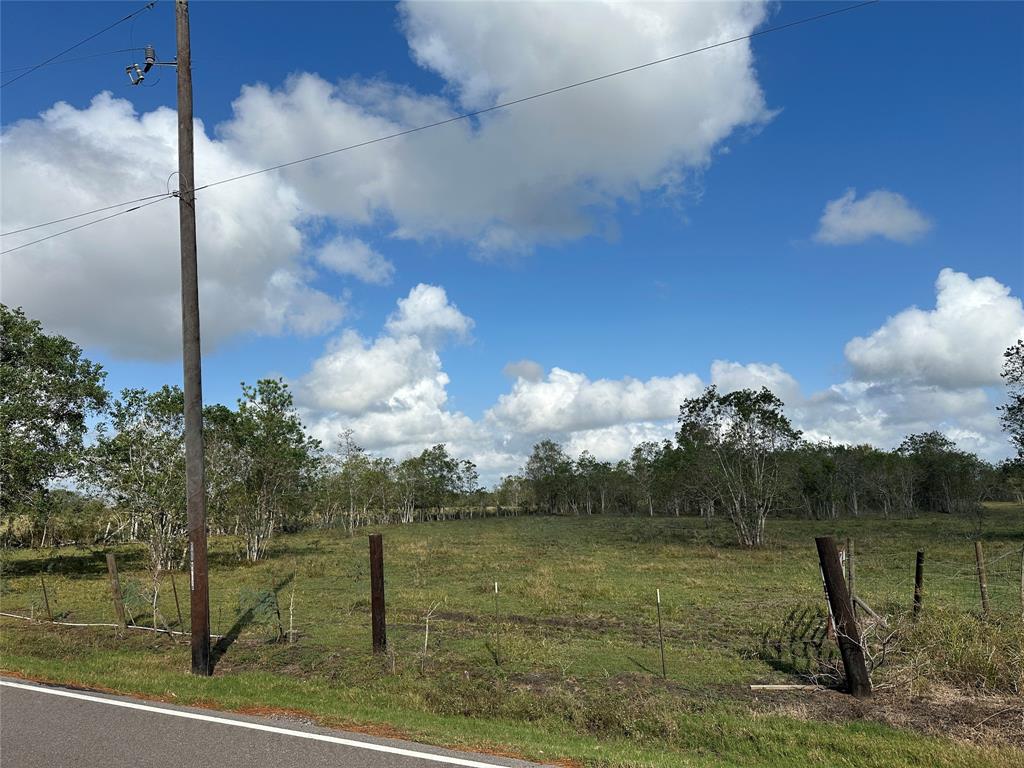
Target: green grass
(570, 668)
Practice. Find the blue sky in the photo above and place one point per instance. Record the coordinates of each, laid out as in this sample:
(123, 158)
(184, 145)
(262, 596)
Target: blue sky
(921, 100)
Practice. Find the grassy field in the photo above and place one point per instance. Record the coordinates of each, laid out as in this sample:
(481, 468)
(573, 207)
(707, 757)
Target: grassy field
(567, 665)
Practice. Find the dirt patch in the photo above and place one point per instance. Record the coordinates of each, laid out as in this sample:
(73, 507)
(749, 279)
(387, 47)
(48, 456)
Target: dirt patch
(981, 719)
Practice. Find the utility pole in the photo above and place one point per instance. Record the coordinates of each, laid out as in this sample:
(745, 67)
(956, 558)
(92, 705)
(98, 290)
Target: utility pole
(195, 488)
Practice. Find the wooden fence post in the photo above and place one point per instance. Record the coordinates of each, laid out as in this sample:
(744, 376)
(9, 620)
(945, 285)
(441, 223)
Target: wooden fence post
(918, 582)
(979, 556)
(115, 589)
(46, 598)
(847, 632)
(378, 623)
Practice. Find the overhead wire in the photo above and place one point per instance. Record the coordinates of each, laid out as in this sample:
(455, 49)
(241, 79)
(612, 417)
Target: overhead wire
(427, 126)
(542, 94)
(70, 61)
(86, 213)
(160, 198)
(50, 60)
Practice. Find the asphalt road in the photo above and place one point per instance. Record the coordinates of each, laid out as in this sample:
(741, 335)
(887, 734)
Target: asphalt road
(50, 727)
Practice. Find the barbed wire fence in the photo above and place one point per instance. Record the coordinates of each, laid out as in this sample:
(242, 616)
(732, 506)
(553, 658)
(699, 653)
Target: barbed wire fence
(987, 580)
(296, 603)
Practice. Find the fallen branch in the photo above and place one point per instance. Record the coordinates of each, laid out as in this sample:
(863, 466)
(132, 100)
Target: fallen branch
(65, 623)
(870, 612)
(115, 626)
(788, 688)
(997, 714)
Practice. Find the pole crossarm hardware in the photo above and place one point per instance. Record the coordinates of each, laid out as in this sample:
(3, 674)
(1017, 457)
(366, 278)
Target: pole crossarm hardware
(137, 74)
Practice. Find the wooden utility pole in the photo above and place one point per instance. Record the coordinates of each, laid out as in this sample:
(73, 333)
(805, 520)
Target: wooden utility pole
(191, 356)
(378, 623)
(847, 632)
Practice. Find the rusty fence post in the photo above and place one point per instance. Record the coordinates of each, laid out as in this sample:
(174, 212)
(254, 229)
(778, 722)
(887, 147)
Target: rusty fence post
(847, 633)
(918, 582)
(661, 636)
(979, 556)
(379, 624)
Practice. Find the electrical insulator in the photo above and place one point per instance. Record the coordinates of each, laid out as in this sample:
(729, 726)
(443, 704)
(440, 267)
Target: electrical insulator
(135, 73)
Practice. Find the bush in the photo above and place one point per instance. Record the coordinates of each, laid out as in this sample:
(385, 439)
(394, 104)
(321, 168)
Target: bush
(963, 650)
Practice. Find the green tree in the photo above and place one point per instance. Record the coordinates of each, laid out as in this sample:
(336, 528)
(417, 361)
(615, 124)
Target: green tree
(48, 390)
(642, 463)
(549, 472)
(513, 491)
(440, 476)
(1012, 417)
(817, 479)
(748, 435)
(138, 461)
(276, 462)
(947, 479)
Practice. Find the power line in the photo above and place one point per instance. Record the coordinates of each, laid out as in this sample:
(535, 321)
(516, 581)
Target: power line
(87, 224)
(69, 61)
(80, 42)
(87, 213)
(540, 95)
(456, 118)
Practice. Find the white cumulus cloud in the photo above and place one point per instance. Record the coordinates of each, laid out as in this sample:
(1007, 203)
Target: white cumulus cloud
(427, 314)
(352, 256)
(115, 285)
(567, 402)
(529, 370)
(959, 343)
(730, 376)
(881, 213)
(547, 171)
(393, 390)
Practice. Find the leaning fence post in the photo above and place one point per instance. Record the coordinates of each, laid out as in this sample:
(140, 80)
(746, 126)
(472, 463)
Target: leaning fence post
(918, 582)
(177, 603)
(46, 598)
(979, 556)
(115, 589)
(378, 624)
(847, 632)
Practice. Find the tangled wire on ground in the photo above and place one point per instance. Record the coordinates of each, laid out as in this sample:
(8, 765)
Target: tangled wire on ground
(805, 644)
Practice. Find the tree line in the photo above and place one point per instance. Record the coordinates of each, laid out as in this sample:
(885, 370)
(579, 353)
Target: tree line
(734, 455)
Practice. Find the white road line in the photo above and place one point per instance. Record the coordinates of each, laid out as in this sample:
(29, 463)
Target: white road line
(256, 726)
